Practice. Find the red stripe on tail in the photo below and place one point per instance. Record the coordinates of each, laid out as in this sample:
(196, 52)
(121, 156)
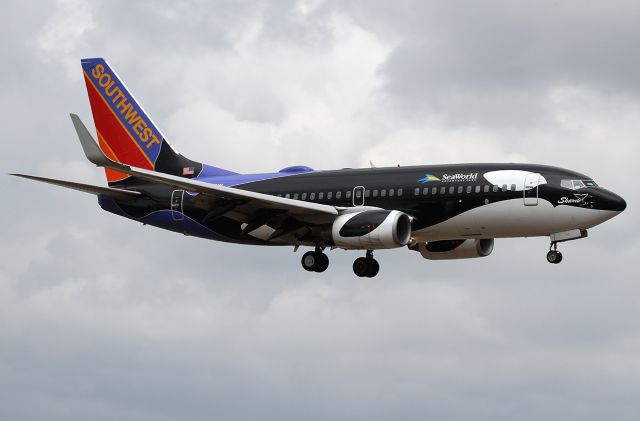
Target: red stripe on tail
(117, 139)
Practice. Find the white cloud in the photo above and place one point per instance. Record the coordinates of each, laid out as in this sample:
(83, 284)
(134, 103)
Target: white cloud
(65, 33)
(271, 96)
(74, 170)
(306, 7)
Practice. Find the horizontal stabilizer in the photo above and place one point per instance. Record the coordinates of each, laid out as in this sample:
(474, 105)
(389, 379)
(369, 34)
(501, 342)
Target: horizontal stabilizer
(87, 188)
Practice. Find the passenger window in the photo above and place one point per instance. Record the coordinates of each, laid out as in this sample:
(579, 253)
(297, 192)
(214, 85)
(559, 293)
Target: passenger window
(321, 195)
(367, 193)
(348, 194)
(399, 192)
(443, 190)
(477, 189)
(375, 193)
(338, 195)
(295, 196)
(391, 192)
(287, 195)
(312, 196)
(329, 195)
(383, 192)
(486, 188)
(459, 189)
(304, 196)
(504, 187)
(495, 188)
(513, 187)
(451, 189)
(434, 190)
(468, 189)
(416, 191)
(425, 191)
(358, 194)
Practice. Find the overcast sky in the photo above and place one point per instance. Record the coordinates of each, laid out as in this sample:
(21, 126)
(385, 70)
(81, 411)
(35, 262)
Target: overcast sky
(102, 319)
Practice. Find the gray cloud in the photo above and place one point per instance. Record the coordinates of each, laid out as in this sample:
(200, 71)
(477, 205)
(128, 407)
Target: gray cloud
(489, 62)
(101, 318)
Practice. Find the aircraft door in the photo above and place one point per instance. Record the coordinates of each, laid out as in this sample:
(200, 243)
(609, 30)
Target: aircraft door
(530, 192)
(177, 200)
(358, 196)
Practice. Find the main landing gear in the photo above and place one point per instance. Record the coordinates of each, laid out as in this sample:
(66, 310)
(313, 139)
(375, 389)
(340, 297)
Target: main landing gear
(366, 266)
(554, 256)
(315, 261)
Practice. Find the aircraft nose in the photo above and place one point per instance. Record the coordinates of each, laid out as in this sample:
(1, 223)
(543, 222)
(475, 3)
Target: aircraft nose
(611, 201)
(620, 204)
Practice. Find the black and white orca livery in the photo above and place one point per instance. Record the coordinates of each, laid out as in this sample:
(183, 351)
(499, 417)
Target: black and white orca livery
(440, 211)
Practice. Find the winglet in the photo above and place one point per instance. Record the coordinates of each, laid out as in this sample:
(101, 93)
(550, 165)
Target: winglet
(91, 149)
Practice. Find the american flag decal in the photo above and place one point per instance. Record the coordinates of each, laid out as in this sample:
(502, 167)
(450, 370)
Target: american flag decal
(187, 171)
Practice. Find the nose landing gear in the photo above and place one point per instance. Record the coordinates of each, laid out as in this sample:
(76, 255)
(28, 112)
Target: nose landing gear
(554, 256)
(366, 266)
(315, 261)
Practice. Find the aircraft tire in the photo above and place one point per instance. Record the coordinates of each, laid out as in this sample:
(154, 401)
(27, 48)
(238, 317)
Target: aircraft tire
(360, 267)
(373, 267)
(554, 257)
(309, 261)
(322, 262)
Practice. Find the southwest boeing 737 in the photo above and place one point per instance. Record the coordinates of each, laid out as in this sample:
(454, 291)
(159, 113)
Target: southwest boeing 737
(438, 211)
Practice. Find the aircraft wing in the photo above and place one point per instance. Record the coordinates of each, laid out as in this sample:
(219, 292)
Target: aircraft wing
(305, 211)
(87, 188)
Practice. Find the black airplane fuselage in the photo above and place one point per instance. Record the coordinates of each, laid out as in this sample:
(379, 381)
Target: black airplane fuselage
(431, 203)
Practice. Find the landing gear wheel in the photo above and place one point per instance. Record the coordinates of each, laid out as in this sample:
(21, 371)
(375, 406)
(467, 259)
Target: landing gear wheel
(366, 266)
(360, 267)
(309, 260)
(372, 268)
(554, 257)
(322, 262)
(315, 261)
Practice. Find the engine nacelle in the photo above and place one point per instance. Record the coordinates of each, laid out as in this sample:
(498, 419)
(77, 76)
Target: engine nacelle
(455, 249)
(371, 229)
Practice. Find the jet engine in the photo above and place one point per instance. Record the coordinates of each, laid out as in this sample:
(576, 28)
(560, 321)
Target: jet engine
(371, 229)
(455, 249)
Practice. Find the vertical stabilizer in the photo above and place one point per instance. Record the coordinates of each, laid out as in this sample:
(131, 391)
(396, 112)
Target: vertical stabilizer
(125, 131)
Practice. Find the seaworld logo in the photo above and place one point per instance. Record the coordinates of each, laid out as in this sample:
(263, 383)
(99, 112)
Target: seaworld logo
(458, 177)
(428, 178)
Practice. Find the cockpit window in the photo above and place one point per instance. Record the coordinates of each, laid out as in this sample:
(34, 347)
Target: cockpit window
(577, 184)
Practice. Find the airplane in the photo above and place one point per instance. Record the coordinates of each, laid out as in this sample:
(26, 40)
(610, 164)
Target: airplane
(439, 211)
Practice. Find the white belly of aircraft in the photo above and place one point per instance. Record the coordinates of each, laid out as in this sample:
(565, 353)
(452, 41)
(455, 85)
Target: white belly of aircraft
(511, 218)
